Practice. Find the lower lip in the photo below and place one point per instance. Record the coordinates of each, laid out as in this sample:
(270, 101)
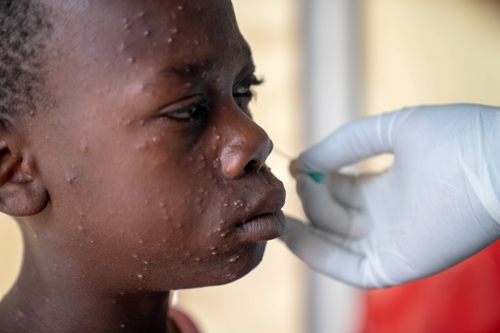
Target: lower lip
(263, 227)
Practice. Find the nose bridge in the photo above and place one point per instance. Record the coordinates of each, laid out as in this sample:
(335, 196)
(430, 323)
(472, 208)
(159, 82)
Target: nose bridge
(246, 145)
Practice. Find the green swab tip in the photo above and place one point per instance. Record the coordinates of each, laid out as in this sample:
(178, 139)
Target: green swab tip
(318, 177)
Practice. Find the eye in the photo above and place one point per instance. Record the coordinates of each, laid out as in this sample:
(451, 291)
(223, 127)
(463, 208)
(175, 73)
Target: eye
(242, 93)
(194, 112)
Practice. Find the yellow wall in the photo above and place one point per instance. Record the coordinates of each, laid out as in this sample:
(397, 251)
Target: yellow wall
(11, 252)
(427, 51)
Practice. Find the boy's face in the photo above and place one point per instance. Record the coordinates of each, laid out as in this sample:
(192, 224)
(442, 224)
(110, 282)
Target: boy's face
(153, 165)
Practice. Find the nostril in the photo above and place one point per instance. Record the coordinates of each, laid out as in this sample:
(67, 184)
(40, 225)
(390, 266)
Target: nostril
(252, 165)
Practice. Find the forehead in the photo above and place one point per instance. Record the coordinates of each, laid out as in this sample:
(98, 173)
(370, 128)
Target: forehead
(190, 34)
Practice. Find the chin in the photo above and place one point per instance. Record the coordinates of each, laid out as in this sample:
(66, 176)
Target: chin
(226, 269)
(247, 262)
(218, 270)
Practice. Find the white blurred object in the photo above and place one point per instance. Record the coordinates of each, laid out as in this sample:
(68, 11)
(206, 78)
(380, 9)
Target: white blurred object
(331, 39)
(437, 205)
(174, 298)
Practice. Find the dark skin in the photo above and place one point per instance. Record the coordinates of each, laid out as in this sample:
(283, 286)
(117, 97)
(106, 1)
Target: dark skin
(145, 174)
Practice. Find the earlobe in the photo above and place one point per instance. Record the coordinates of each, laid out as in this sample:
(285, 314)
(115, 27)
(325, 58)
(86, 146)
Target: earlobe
(22, 192)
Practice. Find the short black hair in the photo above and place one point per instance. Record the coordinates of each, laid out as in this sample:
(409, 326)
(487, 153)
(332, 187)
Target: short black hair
(24, 33)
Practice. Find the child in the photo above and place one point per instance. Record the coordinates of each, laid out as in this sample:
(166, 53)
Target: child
(129, 159)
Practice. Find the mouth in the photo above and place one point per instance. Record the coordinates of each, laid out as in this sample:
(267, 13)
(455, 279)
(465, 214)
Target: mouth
(266, 220)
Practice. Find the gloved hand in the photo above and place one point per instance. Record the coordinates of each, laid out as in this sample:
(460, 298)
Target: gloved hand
(438, 204)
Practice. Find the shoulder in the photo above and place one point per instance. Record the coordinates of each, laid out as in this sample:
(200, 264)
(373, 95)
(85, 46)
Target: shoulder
(179, 322)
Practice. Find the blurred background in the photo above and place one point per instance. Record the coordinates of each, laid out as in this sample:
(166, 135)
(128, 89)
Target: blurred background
(326, 62)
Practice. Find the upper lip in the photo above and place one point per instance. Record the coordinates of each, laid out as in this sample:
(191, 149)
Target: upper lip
(269, 203)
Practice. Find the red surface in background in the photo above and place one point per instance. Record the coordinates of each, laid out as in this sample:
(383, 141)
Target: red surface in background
(463, 299)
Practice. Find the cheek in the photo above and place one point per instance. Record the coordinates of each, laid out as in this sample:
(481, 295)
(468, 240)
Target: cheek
(189, 225)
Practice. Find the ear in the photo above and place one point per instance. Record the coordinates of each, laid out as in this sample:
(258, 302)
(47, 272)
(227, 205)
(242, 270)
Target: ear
(21, 190)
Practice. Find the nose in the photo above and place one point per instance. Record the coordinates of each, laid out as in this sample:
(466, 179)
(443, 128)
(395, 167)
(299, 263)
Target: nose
(246, 147)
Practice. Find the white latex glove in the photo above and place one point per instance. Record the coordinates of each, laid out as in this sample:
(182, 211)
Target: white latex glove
(438, 204)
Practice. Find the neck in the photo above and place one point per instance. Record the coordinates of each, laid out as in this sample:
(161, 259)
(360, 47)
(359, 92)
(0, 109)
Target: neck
(49, 298)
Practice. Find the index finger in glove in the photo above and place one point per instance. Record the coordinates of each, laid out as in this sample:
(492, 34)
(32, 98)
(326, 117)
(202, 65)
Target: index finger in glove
(354, 142)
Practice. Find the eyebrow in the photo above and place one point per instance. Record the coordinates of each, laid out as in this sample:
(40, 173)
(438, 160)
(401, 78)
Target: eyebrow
(190, 70)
